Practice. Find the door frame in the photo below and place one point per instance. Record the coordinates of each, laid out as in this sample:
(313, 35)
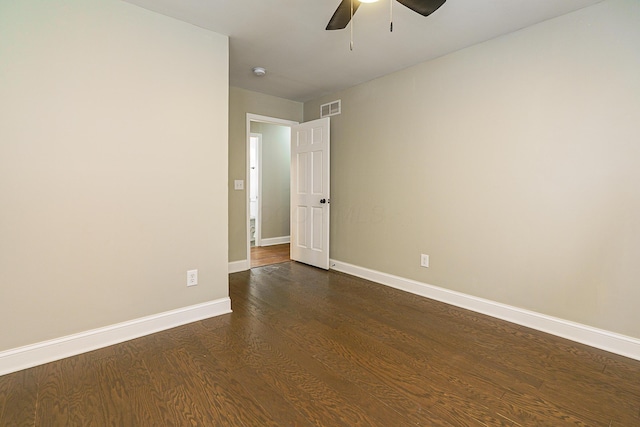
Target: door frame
(257, 225)
(262, 119)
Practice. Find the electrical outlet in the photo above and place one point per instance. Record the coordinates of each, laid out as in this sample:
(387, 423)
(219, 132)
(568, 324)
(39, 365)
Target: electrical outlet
(424, 260)
(192, 277)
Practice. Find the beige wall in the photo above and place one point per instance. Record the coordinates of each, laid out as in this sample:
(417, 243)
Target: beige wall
(276, 179)
(514, 164)
(113, 166)
(241, 102)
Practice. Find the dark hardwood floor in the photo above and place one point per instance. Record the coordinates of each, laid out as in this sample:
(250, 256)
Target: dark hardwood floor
(306, 347)
(268, 255)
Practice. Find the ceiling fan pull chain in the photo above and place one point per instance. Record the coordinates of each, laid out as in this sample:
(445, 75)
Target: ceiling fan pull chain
(351, 28)
(391, 16)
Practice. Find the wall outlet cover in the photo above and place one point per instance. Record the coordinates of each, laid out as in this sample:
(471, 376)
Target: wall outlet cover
(424, 260)
(192, 277)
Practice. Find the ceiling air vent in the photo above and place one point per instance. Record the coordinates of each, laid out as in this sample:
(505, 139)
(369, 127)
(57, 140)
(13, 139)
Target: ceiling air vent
(330, 109)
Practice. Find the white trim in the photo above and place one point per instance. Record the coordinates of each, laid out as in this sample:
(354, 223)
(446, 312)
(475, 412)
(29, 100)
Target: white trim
(258, 218)
(594, 337)
(43, 352)
(236, 266)
(266, 119)
(276, 241)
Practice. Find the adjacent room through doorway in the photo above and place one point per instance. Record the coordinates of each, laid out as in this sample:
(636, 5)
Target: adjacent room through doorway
(268, 255)
(268, 195)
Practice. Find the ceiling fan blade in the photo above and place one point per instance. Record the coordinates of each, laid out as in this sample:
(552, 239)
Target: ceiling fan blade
(423, 7)
(342, 15)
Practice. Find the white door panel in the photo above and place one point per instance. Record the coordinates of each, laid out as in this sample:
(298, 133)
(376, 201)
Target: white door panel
(310, 193)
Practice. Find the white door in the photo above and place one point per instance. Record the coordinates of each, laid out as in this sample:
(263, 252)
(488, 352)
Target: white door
(310, 193)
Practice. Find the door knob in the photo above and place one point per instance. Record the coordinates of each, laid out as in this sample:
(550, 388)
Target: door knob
(323, 200)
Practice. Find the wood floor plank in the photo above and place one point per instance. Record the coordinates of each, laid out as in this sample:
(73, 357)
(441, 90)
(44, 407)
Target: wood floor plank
(187, 409)
(306, 347)
(598, 367)
(321, 375)
(21, 399)
(186, 404)
(213, 400)
(281, 411)
(504, 353)
(8, 383)
(340, 348)
(53, 406)
(148, 407)
(143, 400)
(456, 353)
(222, 398)
(305, 351)
(546, 412)
(83, 393)
(593, 402)
(268, 255)
(320, 396)
(217, 341)
(115, 401)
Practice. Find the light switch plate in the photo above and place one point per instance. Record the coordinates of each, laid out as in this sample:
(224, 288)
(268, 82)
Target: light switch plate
(238, 184)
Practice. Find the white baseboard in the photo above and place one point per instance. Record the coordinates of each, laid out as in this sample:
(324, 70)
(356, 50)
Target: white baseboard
(275, 241)
(48, 351)
(599, 338)
(236, 266)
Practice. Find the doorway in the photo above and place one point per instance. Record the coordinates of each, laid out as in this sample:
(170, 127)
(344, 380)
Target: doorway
(268, 193)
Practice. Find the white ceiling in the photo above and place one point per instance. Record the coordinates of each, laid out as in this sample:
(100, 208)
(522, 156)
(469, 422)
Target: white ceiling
(304, 61)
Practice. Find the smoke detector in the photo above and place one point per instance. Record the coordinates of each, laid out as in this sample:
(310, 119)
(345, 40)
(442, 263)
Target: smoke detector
(259, 71)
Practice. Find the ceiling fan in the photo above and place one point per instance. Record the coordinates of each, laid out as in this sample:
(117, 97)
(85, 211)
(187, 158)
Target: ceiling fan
(347, 8)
